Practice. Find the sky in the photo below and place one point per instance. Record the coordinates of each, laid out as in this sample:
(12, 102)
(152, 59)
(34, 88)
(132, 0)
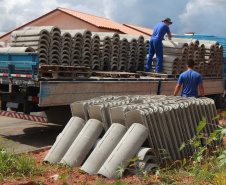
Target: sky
(199, 16)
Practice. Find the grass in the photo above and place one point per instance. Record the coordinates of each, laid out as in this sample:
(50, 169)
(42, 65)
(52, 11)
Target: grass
(12, 165)
(193, 172)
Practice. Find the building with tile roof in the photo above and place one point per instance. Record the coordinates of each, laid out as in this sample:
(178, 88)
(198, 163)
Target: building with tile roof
(71, 19)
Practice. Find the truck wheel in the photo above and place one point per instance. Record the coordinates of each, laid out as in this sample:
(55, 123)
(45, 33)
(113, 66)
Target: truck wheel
(220, 102)
(58, 114)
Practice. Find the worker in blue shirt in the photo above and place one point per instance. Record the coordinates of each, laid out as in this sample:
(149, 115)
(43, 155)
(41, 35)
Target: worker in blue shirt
(191, 81)
(155, 45)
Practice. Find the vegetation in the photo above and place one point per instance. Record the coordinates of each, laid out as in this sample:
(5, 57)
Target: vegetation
(205, 166)
(12, 165)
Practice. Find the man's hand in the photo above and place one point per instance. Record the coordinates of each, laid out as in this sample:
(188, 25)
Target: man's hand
(177, 89)
(201, 89)
(169, 36)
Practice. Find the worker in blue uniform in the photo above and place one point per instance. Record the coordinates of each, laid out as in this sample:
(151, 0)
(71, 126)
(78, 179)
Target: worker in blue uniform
(155, 45)
(191, 81)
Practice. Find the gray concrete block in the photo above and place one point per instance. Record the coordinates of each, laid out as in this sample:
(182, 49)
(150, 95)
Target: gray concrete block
(143, 151)
(64, 140)
(83, 143)
(104, 148)
(125, 150)
(141, 164)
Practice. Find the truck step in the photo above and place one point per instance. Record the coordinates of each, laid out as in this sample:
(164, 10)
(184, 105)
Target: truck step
(115, 74)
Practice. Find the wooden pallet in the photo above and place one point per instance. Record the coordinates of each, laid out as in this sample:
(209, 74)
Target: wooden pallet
(115, 74)
(63, 68)
(212, 76)
(64, 74)
(162, 75)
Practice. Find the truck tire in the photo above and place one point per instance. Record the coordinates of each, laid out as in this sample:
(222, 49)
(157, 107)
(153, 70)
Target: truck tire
(58, 114)
(220, 102)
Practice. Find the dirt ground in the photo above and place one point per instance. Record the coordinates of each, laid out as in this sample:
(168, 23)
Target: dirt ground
(58, 175)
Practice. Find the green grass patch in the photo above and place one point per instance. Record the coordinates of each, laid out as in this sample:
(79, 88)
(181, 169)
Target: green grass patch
(12, 165)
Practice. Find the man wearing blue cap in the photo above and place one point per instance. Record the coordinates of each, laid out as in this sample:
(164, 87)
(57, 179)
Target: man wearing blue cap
(155, 45)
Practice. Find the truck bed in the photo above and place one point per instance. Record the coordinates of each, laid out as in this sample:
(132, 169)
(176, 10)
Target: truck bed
(54, 93)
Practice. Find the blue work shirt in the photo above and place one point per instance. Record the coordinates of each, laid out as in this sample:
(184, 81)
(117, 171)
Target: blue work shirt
(160, 30)
(190, 80)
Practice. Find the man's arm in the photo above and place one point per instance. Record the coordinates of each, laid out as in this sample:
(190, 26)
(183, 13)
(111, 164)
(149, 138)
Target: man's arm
(169, 36)
(201, 89)
(177, 89)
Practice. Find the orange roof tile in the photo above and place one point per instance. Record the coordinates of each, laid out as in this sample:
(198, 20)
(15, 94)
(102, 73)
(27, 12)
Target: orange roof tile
(94, 20)
(147, 31)
(101, 22)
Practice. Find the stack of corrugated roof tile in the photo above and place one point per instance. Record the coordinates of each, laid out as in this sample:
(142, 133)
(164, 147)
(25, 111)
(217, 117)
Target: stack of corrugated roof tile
(109, 51)
(118, 128)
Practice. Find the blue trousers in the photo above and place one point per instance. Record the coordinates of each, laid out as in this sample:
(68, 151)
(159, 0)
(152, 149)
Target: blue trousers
(155, 46)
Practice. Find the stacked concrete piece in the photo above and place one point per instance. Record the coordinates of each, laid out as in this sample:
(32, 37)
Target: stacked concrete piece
(213, 58)
(54, 44)
(132, 52)
(208, 56)
(95, 52)
(81, 144)
(177, 51)
(140, 52)
(65, 140)
(123, 53)
(110, 47)
(119, 128)
(76, 48)
(105, 53)
(148, 160)
(86, 48)
(38, 39)
(66, 48)
(110, 51)
(170, 120)
(16, 50)
(115, 44)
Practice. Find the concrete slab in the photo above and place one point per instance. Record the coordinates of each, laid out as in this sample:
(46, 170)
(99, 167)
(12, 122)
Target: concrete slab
(26, 136)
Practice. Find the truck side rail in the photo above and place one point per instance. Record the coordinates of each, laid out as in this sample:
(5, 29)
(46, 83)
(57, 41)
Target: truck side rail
(19, 65)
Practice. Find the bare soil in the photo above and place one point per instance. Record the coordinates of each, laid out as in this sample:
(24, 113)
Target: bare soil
(56, 174)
